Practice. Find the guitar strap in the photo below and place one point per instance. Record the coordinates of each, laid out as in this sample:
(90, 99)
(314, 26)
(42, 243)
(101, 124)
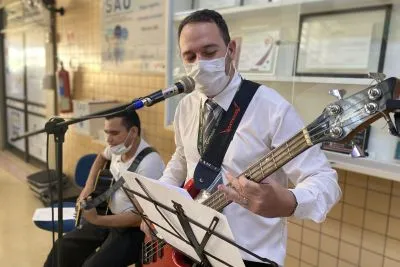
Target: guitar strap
(104, 196)
(209, 166)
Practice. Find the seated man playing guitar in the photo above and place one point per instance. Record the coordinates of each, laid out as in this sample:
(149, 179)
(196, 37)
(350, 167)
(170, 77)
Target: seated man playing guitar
(117, 235)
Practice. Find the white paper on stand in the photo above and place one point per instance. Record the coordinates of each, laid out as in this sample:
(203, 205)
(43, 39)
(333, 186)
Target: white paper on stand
(44, 214)
(204, 215)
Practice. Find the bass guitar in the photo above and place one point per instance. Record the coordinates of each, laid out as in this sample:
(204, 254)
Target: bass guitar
(338, 122)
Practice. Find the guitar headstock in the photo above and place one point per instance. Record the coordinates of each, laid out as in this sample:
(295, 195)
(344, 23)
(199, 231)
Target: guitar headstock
(340, 120)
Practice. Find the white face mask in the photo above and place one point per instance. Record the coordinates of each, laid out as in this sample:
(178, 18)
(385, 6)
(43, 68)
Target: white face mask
(209, 75)
(121, 148)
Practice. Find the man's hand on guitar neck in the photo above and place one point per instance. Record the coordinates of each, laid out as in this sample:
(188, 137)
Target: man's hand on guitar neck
(268, 199)
(146, 230)
(86, 191)
(91, 216)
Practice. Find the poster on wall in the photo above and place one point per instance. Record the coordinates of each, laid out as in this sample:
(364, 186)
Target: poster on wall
(14, 66)
(15, 127)
(258, 52)
(133, 36)
(345, 43)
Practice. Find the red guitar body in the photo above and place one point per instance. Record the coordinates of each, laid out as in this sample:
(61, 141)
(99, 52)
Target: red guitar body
(167, 256)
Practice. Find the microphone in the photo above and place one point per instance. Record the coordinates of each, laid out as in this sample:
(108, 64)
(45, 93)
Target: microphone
(184, 85)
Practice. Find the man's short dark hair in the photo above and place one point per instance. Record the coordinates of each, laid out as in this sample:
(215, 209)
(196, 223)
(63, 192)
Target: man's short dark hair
(207, 15)
(129, 119)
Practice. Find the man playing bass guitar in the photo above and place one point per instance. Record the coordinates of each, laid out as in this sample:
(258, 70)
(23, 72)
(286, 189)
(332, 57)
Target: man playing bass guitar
(207, 54)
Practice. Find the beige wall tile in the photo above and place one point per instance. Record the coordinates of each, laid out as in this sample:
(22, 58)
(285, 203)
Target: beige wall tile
(294, 231)
(396, 189)
(311, 238)
(309, 255)
(312, 225)
(343, 189)
(293, 248)
(370, 259)
(356, 179)
(327, 260)
(394, 228)
(291, 262)
(306, 264)
(330, 245)
(355, 195)
(378, 202)
(373, 241)
(395, 206)
(392, 249)
(351, 234)
(331, 227)
(375, 222)
(353, 215)
(390, 263)
(349, 253)
(336, 211)
(379, 184)
(345, 264)
(341, 175)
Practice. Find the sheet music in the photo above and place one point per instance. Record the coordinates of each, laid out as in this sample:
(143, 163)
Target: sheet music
(202, 214)
(44, 214)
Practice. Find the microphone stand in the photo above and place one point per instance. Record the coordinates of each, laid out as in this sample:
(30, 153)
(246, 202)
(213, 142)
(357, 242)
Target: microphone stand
(58, 127)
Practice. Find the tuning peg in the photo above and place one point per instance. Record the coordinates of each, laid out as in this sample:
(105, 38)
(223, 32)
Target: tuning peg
(356, 152)
(377, 76)
(338, 93)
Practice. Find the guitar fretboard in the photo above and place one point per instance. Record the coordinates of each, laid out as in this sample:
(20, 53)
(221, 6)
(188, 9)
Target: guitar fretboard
(266, 165)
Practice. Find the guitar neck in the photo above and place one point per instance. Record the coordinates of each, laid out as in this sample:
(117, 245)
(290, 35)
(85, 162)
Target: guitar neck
(266, 165)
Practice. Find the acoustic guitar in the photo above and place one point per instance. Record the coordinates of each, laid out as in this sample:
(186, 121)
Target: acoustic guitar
(104, 181)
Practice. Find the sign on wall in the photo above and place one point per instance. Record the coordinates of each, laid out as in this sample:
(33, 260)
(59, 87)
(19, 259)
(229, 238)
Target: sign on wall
(133, 35)
(15, 127)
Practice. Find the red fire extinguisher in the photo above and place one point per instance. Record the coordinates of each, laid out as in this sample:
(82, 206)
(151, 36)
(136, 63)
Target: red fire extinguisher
(64, 90)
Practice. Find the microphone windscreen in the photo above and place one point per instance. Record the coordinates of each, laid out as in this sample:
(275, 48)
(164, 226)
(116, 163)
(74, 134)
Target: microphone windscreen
(188, 84)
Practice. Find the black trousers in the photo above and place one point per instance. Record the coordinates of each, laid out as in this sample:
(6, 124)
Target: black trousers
(117, 247)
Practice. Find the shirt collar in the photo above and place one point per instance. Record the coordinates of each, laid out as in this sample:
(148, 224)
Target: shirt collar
(225, 98)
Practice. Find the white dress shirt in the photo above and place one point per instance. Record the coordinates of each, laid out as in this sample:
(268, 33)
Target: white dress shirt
(268, 122)
(151, 166)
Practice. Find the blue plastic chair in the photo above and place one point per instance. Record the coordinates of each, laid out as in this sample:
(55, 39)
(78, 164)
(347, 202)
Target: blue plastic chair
(81, 173)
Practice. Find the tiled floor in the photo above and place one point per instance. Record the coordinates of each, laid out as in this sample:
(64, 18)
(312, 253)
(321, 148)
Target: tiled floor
(22, 244)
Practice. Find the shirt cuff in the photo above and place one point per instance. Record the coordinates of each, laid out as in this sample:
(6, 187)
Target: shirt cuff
(306, 205)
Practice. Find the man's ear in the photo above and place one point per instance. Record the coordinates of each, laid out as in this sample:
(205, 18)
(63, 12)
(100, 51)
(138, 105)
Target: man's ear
(229, 60)
(134, 131)
(232, 49)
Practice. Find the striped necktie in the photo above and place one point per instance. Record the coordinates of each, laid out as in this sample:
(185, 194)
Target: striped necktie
(212, 114)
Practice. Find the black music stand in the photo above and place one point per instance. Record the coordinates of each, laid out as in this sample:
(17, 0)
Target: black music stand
(202, 233)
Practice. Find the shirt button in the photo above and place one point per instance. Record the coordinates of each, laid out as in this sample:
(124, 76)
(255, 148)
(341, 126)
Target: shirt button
(201, 180)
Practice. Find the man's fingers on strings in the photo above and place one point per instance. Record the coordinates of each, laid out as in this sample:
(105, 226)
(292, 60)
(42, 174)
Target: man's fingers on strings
(234, 191)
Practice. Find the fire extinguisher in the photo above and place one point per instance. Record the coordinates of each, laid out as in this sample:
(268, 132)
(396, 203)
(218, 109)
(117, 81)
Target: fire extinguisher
(64, 90)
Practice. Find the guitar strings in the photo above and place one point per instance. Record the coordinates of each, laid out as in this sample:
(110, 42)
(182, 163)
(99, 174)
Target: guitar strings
(153, 247)
(217, 199)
